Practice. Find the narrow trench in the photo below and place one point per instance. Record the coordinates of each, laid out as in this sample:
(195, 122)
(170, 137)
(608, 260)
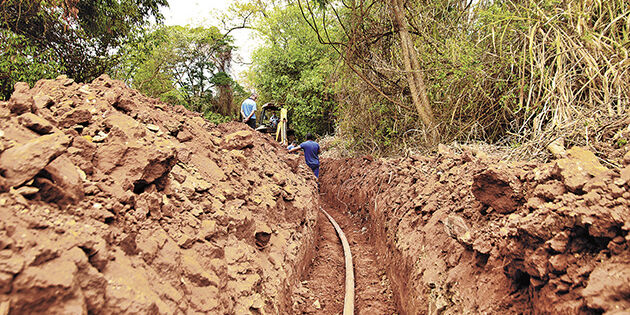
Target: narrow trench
(322, 289)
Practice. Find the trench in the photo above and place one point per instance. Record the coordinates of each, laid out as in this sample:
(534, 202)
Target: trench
(321, 290)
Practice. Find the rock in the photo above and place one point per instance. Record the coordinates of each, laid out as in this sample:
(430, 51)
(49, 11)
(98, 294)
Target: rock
(609, 287)
(66, 176)
(536, 264)
(200, 276)
(317, 305)
(624, 175)
(55, 277)
(550, 190)
(558, 263)
(578, 168)
(42, 101)
(184, 136)
(11, 262)
(559, 242)
(498, 189)
(5, 307)
(26, 190)
(35, 123)
(5, 283)
(208, 229)
(21, 100)
(185, 241)
(5, 240)
(239, 140)
(22, 162)
(132, 290)
(125, 104)
(626, 159)
(75, 117)
(112, 97)
(100, 137)
(193, 183)
(557, 148)
(456, 227)
(257, 302)
(153, 127)
(483, 246)
(150, 203)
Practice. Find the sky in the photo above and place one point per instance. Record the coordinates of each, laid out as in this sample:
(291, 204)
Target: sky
(199, 13)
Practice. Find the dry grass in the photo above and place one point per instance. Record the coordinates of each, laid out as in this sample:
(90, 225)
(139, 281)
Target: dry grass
(517, 75)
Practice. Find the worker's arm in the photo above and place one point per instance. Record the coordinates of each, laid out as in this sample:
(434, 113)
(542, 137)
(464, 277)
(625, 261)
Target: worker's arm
(295, 149)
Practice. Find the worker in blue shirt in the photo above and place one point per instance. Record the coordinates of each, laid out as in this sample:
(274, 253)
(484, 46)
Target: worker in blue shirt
(248, 110)
(311, 153)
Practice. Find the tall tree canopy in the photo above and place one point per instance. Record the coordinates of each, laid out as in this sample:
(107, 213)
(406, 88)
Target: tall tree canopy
(77, 37)
(293, 68)
(183, 65)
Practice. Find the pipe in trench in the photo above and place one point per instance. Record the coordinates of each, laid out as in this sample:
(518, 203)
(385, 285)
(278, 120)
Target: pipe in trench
(348, 301)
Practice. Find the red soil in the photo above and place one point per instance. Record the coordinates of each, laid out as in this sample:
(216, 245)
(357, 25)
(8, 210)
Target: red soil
(112, 202)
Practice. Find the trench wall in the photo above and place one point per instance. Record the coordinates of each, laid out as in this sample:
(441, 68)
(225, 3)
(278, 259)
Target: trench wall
(461, 234)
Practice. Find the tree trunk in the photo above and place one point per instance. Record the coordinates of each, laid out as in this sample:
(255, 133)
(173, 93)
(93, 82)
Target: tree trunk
(225, 100)
(414, 76)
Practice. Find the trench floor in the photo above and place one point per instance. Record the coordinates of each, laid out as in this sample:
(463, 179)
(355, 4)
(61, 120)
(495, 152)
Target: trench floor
(322, 289)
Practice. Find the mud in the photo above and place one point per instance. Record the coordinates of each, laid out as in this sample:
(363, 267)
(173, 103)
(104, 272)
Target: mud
(112, 202)
(461, 234)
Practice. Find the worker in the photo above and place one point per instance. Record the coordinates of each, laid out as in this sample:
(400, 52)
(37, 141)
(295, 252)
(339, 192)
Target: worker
(311, 153)
(274, 121)
(248, 110)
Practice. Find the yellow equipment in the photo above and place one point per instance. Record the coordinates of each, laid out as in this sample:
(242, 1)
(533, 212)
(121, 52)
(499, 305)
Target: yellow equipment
(281, 132)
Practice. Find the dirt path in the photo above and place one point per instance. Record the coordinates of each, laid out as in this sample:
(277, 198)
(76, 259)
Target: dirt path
(322, 291)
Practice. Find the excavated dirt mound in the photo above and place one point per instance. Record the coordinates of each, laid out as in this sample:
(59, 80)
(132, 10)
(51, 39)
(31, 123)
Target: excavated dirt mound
(466, 235)
(112, 202)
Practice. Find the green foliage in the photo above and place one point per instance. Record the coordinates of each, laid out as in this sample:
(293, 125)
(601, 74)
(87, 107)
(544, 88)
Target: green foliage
(20, 61)
(75, 37)
(217, 118)
(293, 69)
(182, 65)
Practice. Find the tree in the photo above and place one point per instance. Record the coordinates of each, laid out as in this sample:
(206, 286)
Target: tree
(76, 37)
(182, 65)
(293, 69)
(413, 71)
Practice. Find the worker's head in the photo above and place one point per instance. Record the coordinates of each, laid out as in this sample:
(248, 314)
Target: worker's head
(310, 136)
(254, 96)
